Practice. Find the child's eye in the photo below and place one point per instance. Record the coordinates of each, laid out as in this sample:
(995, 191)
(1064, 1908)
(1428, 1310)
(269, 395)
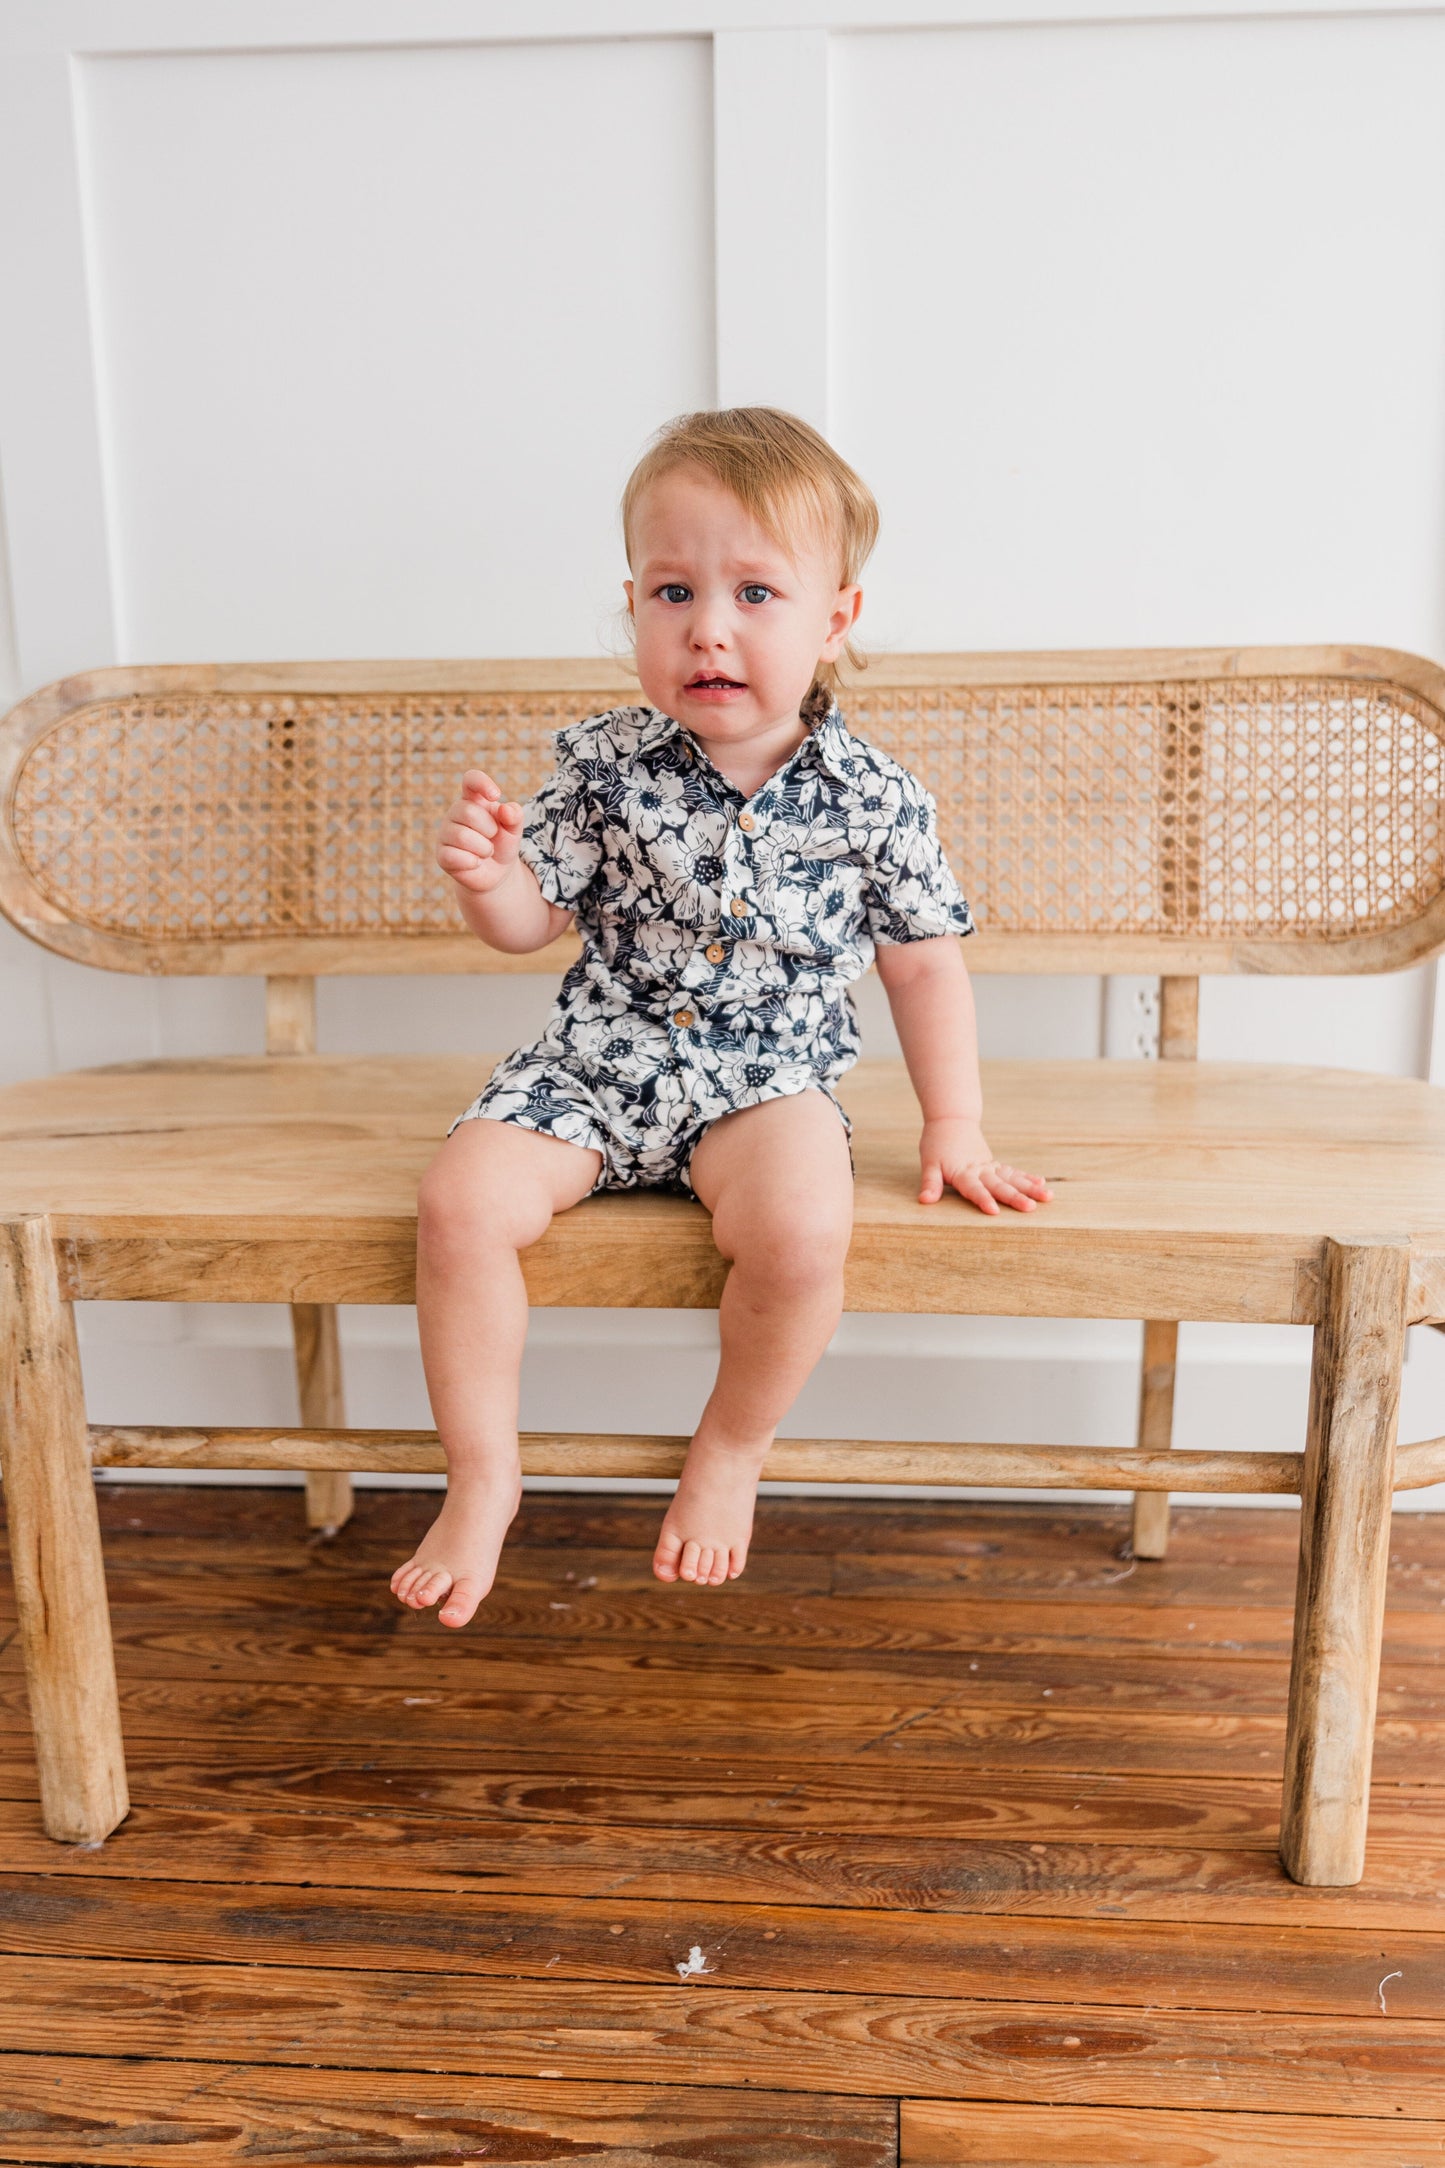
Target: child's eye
(755, 592)
(674, 591)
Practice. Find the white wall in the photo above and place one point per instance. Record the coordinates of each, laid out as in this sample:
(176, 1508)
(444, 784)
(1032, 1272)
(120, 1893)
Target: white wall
(339, 331)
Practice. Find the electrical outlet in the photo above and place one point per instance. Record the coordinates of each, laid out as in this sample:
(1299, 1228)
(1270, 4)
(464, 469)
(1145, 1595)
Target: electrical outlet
(1130, 1019)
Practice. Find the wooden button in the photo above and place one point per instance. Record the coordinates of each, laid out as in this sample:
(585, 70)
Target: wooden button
(715, 952)
(746, 821)
(682, 1019)
(738, 908)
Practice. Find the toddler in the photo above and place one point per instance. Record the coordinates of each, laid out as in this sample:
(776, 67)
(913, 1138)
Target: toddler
(734, 859)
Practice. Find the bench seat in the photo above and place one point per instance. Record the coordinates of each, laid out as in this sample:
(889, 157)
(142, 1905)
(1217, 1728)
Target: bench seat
(1198, 1190)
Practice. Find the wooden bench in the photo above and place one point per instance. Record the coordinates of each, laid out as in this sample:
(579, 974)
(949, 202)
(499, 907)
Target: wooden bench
(1274, 811)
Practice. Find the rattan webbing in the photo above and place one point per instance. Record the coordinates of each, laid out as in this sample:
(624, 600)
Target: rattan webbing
(1310, 807)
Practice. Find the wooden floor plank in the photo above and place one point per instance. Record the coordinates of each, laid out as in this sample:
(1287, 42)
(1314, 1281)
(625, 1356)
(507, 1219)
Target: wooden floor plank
(696, 2032)
(999, 1674)
(347, 1613)
(359, 1572)
(152, 1650)
(552, 1520)
(626, 1612)
(356, 1573)
(1403, 1889)
(280, 1624)
(945, 2135)
(683, 1790)
(956, 1805)
(904, 1728)
(1240, 1536)
(153, 2114)
(978, 1534)
(590, 1711)
(636, 1940)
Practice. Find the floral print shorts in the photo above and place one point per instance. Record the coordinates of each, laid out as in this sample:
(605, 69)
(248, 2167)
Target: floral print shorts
(646, 1133)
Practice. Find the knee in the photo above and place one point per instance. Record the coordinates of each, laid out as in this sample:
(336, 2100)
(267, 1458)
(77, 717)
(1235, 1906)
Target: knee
(796, 1248)
(457, 1213)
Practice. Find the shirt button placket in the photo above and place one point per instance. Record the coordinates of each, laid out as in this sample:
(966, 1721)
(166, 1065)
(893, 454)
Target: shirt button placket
(735, 853)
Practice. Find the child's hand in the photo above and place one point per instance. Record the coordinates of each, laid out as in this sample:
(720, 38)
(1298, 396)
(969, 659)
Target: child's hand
(955, 1155)
(477, 842)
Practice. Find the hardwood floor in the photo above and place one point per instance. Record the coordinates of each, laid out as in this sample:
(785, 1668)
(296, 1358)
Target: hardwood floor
(944, 1837)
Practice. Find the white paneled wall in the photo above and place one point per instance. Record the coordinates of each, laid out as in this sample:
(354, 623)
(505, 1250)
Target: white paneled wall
(342, 329)
(1137, 329)
(371, 340)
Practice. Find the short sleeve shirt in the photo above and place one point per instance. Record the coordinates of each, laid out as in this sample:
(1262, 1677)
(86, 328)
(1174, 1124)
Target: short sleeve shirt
(751, 916)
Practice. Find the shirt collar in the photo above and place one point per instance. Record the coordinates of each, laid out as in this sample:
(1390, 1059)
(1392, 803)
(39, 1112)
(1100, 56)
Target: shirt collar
(828, 740)
(655, 729)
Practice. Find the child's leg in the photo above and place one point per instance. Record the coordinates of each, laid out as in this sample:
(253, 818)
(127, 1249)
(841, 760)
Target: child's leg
(490, 1192)
(778, 1183)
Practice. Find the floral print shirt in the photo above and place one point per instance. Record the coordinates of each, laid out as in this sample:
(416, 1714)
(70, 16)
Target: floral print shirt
(733, 925)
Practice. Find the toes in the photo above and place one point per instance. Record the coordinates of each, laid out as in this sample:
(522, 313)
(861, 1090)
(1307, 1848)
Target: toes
(706, 1565)
(664, 1558)
(461, 1603)
(428, 1588)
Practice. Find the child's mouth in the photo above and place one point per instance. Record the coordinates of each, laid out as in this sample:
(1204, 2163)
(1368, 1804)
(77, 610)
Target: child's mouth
(712, 685)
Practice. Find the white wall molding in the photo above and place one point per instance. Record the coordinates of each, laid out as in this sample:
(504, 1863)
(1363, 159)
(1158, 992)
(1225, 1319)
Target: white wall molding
(147, 27)
(1435, 1032)
(61, 597)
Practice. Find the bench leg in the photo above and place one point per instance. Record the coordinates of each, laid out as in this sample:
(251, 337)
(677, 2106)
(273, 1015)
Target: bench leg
(317, 1342)
(1150, 1532)
(55, 1554)
(1339, 1616)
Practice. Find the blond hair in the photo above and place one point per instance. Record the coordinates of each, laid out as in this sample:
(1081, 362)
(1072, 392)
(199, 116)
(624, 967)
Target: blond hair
(791, 481)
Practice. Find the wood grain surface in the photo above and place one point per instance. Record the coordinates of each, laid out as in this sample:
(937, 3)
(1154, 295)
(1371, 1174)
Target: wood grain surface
(626, 1877)
(144, 2113)
(942, 2135)
(1207, 1190)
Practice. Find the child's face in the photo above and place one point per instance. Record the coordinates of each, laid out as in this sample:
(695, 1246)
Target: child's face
(730, 626)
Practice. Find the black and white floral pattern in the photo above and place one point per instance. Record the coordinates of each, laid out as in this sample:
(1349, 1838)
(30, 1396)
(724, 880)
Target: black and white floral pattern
(720, 934)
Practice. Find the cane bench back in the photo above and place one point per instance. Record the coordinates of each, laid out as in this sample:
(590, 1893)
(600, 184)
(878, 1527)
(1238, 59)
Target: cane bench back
(1269, 810)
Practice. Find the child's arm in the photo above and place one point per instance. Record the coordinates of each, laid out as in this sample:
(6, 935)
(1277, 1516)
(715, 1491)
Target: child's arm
(932, 1002)
(497, 891)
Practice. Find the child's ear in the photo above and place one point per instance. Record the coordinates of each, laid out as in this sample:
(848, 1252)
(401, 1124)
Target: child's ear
(842, 619)
(627, 590)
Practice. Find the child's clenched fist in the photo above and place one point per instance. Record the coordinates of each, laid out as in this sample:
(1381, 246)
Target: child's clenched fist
(477, 842)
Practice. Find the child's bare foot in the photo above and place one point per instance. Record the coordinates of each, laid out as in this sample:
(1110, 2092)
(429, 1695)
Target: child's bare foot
(709, 1524)
(459, 1552)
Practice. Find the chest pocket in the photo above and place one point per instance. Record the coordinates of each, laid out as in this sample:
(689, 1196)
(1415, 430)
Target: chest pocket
(683, 875)
(808, 883)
